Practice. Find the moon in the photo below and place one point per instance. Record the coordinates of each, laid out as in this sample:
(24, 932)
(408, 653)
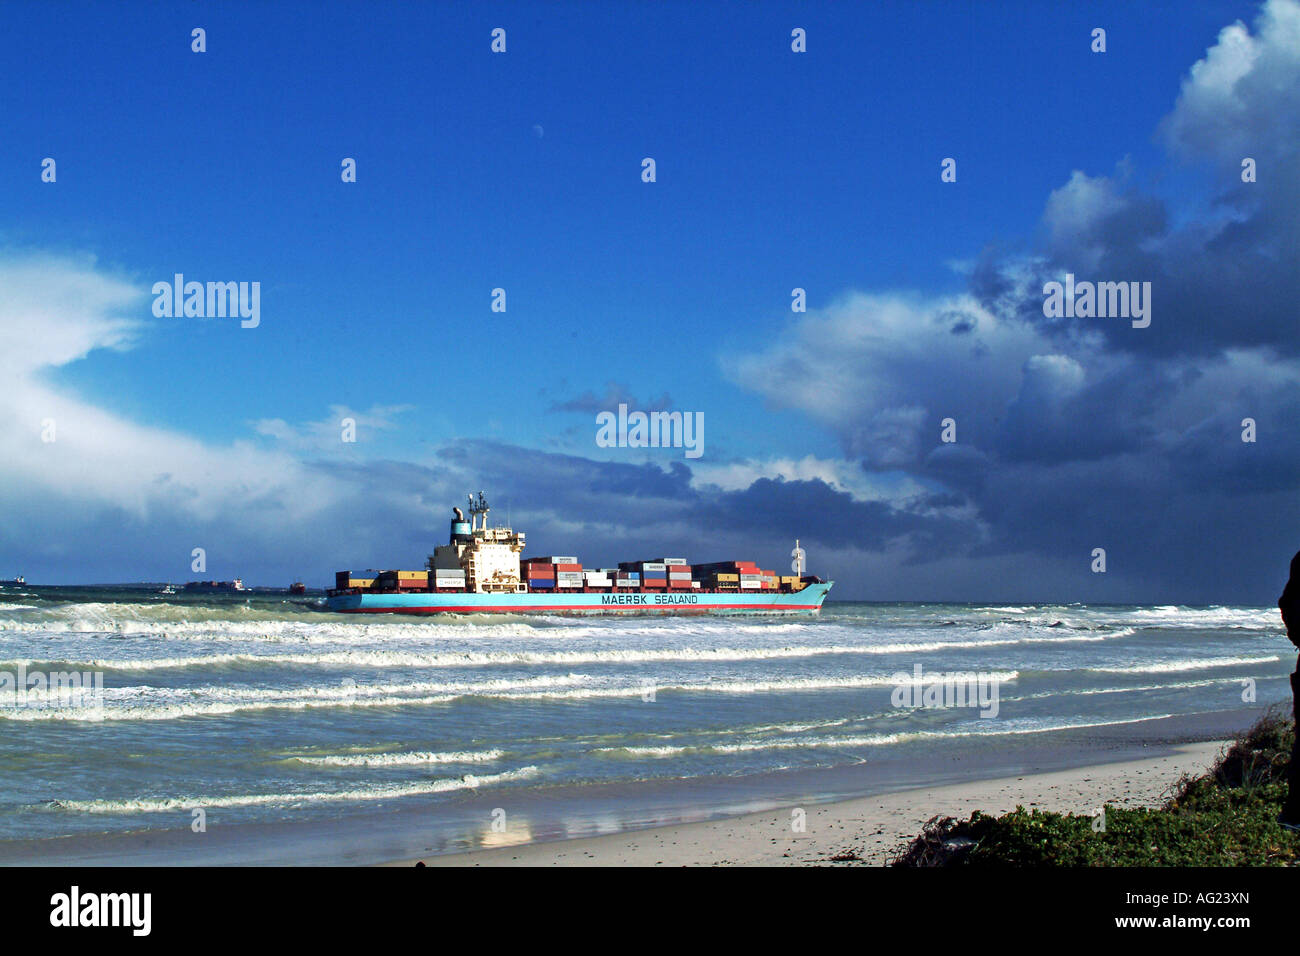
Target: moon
(538, 131)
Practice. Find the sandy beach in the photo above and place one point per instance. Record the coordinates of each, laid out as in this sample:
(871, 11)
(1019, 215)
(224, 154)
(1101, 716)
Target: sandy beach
(870, 829)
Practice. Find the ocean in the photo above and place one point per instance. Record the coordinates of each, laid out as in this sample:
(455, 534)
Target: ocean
(305, 735)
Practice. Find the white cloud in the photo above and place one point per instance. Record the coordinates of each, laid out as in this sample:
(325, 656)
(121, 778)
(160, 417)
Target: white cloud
(846, 476)
(1243, 98)
(325, 435)
(54, 311)
(882, 370)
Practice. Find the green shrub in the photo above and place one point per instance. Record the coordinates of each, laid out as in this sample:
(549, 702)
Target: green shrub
(1225, 817)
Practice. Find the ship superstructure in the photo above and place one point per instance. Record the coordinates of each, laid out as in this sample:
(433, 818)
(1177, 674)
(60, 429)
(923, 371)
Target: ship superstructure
(484, 559)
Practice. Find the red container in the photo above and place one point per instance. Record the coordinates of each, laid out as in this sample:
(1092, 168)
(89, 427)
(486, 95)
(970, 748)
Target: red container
(679, 584)
(656, 585)
(532, 569)
(568, 567)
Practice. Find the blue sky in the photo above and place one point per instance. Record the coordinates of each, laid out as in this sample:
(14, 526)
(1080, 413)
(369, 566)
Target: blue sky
(522, 171)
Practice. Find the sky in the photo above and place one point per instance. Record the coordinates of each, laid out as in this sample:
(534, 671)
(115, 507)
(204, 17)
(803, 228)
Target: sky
(128, 438)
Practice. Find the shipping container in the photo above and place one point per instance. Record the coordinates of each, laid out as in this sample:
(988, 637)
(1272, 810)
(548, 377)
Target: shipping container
(750, 585)
(557, 559)
(653, 566)
(670, 560)
(349, 579)
(567, 567)
(680, 584)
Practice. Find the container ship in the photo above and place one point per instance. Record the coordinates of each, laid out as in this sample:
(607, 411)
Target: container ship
(481, 570)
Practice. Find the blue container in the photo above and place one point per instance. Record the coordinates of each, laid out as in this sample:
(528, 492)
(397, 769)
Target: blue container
(538, 583)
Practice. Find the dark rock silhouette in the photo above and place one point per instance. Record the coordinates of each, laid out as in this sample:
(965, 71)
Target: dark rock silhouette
(1289, 604)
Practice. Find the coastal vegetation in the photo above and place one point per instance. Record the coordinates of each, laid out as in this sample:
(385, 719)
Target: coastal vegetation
(1224, 817)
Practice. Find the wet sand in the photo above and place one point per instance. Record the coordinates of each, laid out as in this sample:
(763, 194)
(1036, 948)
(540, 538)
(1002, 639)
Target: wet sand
(870, 830)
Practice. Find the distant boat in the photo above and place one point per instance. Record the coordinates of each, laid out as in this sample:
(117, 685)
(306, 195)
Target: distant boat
(215, 587)
(297, 588)
(169, 589)
(13, 582)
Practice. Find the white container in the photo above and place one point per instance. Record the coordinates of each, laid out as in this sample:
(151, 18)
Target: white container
(674, 561)
(654, 566)
(750, 586)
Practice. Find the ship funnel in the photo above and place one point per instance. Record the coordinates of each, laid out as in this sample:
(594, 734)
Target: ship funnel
(460, 529)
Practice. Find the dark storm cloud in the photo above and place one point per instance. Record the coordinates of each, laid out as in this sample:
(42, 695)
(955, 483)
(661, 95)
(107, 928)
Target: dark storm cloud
(1079, 433)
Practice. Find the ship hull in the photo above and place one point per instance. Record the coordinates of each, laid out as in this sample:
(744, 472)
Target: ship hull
(807, 601)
